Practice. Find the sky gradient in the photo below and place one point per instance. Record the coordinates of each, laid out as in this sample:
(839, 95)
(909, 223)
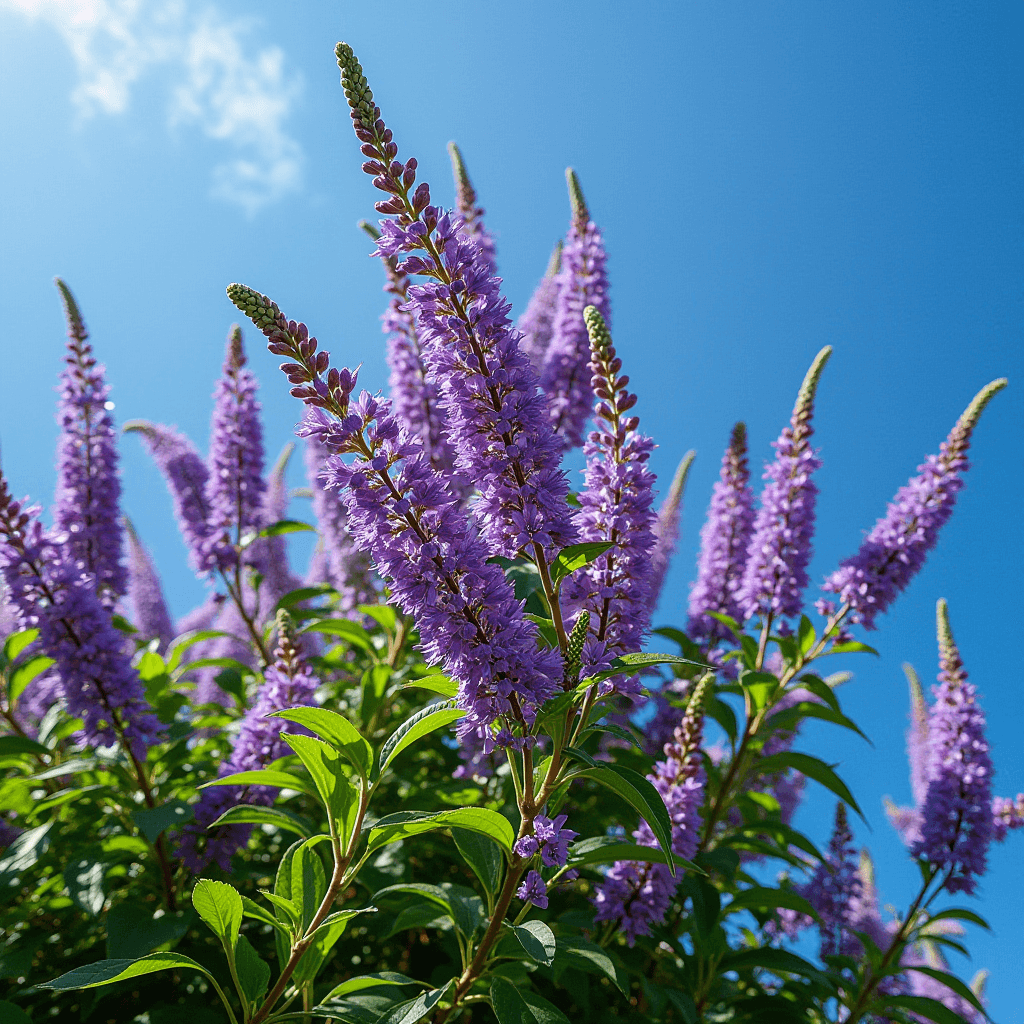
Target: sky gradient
(769, 178)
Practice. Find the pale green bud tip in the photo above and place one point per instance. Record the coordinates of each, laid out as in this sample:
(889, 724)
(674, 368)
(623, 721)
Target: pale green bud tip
(580, 213)
(978, 983)
(369, 229)
(236, 347)
(695, 705)
(738, 441)
(458, 165)
(262, 311)
(555, 263)
(969, 420)
(867, 867)
(353, 82)
(138, 426)
(675, 494)
(810, 385)
(71, 310)
(948, 652)
(600, 337)
(578, 636)
(918, 705)
(285, 625)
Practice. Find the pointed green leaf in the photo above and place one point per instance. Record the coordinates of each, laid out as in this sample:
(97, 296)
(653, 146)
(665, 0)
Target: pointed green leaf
(961, 914)
(152, 822)
(309, 882)
(630, 663)
(508, 1005)
(265, 777)
(24, 674)
(24, 851)
(12, 745)
(283, 526)
(289, 911)
(538, 940)
(337, 731)
(106, 972)
(415, 1010)
(483, 856)
(323, 763)
(250, 908)
(84, 879)
(575, 556)
(409, 823)
(253, 973)
(17, 642)
(951, 982)
(369, 981)
(10, 1013)
(431, 718)
(591, 959)
(608, 849)
(435, 683)
(220, 906)
(351, 632)
(766, 898)
(929, 1009)
(252, 814)
(813, 768)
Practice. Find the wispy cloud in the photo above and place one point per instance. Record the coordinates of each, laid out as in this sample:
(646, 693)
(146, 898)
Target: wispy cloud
(219, 82)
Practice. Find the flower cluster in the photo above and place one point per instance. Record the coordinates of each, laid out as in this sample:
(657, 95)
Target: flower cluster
(537, 322)
(666, 530)
(548, 839)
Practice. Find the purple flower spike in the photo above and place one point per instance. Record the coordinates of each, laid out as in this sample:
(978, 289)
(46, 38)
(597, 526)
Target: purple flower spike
(616, 508)
(86, 516)
(186, 474)
(553, 839)
(1007, 815)
(287, 683)
(583, 281)
(421, 540)
(472, 215)
(537, 323)
(493, 412)
(724, 540)
(666, 530)
(53, 594)
(269, 555)
(780, 548)
(917, 737)
(896, 547)
(235, 486)
(145, 595)
(956, 815)
(533, 890)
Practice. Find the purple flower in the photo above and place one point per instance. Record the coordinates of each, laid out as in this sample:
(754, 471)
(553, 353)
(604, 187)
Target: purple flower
(956, 815)
(201, 617)
(896, 547)
(724, 540)
(493, 412)
(1007, 815)
(54, 594)
(666, 530)
(145, 596)
(636, 896)
(269, 555)
(537, 322)
(616, 508)
(863, 911)
(235, 644)
(235, 486)
(186, 474)
(472, 215)
(780, 549)
(533, 890)
(583, 281)
(86, 515)
(553, 839)
(421, 540)
(288, 682)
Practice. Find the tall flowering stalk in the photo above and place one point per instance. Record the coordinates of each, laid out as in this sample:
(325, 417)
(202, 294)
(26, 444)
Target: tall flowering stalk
(287, 683)
(615, 508)
(145, 594)
(775, 575)
(666, 529)
(538, 320)
(472, 214)
(896, 547)
(583, 281)
(420, 539)
(86, 511)
(724, 541)
(488, 391)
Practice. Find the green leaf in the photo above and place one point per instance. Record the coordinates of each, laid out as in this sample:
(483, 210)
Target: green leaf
(299, 594)
(813, 768)
(482, 854)
(309, 882)
(961, 914)
(724, 715)
(382, 614)
(289, 911)
(24, 852)
(264, 777)
(591, 959)
(766, 898)
(414, 1010)
(575, 556)
(640, 795)
(409, 823)
(508, 1005)
(336, 730)
(951, 982)
(252, 814)
(106, 972)
(369, 981)
(72, 767)
(806, 635)
(10, 1013)
(436, 683)
(791, 718)
(152, 822)
(133, 931)
(821, 690)
(635, 662)
(773, 960)
(352, 632)
(220, 906)
(283, 526)
(543, 1011)
(24, 674)
(12, 745)
(930, 1009)
(538, 940)
(373, 686)
(424, 722)
(853, 647)
(250, 908)
(607, 849)
(17, 642)
(84, 878)
(325, 938)
(253, 973)
(323, 763)
(179, 646)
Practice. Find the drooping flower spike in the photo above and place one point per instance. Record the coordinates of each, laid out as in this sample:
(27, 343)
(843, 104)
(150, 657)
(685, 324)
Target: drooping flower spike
(775, 575)
(666, 529)
(149, 612)
(583, 281)
(472, 215)
(724, 541)
(86, 513)
(537, 322)
(488, 391)
(896, 548)
(421, 540)
(615, 508)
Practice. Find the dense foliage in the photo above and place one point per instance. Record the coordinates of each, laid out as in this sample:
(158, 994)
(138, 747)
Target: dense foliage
(438, 777)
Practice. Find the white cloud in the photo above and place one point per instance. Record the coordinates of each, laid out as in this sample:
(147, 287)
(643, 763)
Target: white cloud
(219, 83)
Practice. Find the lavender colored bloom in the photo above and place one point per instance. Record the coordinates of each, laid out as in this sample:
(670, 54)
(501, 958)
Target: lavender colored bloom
(616, 507)
(145, 596)
(288, 682)
(724, 540)
(186, 474)
(86, 515)
(8, 615)
(583, 281)
(957, 810)
(666, 530)
(235, 487)
(780, 549)
(269, 555)
(533, 890)
(527, 846)
(553, 839)
(201, 617)
(234, 644)
(488, 391)
(636, 896)
(896, 547)
(54, 595)
(338, 561)
(420, 538)
(537, 322)
(472, 215)
(917, 737)
(1007, 815)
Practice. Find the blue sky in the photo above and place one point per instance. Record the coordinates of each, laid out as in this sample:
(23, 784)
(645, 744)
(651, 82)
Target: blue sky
(770, 178)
